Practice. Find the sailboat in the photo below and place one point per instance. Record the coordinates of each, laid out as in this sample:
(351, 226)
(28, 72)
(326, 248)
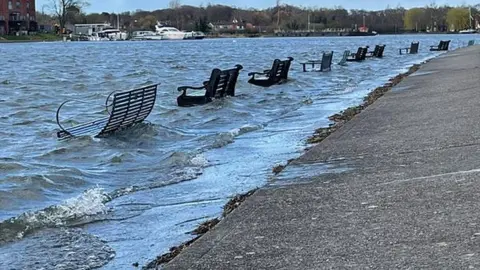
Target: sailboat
(471, 30)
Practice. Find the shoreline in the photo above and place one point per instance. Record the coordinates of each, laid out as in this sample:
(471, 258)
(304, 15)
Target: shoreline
(412, 174)
(202, 229)
(338, 120)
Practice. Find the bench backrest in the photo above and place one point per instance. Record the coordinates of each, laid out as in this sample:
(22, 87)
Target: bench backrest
(358, 55)
(280, 69)
(444, 45)
(326, 61)
(414, 47)
(222, 82)
(129, 108)
(376, 50)
(343, 61)
(363, 54)
(380, 51)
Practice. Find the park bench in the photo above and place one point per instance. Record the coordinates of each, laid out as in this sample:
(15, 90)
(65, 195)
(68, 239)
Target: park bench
(126, 109)
(442, 46)
(412, 50)
(360, 55)
(278, 74)
(343, 61)
(377, 52)
(471, 42)
(221, 83)
(325, 63)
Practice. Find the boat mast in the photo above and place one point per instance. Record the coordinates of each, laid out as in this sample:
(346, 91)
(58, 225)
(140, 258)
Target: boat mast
(308, 24)
(470, 18)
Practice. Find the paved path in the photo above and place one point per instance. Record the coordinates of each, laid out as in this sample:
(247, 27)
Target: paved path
(410, 198)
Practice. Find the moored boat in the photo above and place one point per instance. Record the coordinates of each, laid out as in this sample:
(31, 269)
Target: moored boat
(194, 35)
(169, 33)
(145, 35)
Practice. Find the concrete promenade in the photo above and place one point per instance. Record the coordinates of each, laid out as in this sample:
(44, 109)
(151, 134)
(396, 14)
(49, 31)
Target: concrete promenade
(410, 198)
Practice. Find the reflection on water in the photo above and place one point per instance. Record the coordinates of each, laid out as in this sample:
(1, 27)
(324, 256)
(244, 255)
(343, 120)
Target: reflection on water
(164, 177)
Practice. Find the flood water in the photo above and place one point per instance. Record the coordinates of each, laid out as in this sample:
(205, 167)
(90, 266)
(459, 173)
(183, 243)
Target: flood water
(88, 202)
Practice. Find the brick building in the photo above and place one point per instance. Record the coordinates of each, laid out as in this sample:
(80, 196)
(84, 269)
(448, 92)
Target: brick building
(17, 16)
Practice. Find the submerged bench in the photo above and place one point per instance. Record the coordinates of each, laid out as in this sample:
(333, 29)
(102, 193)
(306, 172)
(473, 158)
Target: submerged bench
(377, 52)
(127, 109)
(325, 63)
(442, 46)
(221, 83)
(360, 55)
(471, 42)
(412, 50)
(278, 74)
(343, 61)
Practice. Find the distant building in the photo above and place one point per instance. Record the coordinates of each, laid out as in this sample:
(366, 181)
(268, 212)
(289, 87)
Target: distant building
(235, 25)
(17, 16)
(89, 29)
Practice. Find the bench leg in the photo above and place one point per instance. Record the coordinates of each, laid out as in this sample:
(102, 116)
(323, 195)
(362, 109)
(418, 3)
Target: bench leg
(304, 69)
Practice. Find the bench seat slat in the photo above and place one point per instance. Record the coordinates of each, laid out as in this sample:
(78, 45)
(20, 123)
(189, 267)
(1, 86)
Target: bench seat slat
(145, 103)
(100, 122)
(128, 108)
(127, 121)
(128, 111)
(120, 100)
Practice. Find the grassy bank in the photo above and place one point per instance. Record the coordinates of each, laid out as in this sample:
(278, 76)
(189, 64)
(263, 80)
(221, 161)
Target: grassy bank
(30, 38)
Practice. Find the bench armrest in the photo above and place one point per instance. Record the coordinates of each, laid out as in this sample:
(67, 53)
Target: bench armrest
(257, 73)
(184, 88)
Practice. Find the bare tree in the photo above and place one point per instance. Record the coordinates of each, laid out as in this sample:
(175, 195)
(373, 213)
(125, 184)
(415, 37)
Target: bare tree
(61, 9)
(176, 5)
(278, 14)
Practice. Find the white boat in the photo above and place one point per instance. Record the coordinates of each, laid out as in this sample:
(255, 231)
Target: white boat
(169, 33)
(146, 35)
(108, 34)
(468, 31)
(194, 35)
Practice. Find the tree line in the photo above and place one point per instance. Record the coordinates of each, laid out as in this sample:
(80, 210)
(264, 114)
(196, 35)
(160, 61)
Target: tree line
(281, 17)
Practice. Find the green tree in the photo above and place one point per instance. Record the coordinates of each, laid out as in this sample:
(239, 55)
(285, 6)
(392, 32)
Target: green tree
(148, 22)
(413, 18)
(202, 25)
(458, 19)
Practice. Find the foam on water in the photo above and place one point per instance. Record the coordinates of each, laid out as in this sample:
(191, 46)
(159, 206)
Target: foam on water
(199, 160)
(89, 203)
(61, 249)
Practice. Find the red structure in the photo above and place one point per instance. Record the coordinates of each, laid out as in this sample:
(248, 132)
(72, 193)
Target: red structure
(17, 16)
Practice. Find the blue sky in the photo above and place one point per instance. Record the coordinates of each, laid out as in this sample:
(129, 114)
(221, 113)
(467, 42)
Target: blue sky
(131, 5)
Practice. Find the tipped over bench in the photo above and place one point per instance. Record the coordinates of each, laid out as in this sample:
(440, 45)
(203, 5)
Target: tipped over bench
(126, 109)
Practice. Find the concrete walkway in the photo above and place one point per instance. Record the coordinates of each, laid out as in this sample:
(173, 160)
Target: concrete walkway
(410, 198)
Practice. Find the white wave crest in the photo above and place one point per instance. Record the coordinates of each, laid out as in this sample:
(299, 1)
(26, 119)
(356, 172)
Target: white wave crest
(91, 202)
(245, 129)
(199, 161)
